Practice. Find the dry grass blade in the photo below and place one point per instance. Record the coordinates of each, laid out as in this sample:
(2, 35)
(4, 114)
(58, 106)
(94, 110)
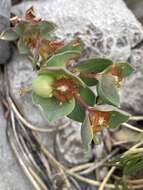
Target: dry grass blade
(136, 118)
(55, 164)
(21, 162)
(33, 171)
(30, 162)
(89, 181)
(107, 178)
(129, 126)
(58, 165)
(99, 164)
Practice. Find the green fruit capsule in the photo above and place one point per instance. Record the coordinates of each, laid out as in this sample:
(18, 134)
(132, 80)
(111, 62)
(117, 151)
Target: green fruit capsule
(42, 85)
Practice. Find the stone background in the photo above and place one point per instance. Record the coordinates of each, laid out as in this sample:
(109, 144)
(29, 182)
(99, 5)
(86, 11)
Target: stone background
(109, 29)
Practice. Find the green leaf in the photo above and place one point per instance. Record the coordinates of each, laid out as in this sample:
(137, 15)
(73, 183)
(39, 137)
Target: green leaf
(95, 139)
(93, 65)
(117, 116)
(89, 81)
(71, 47)
(134, 165)
(126, 68)
(78, 114)
(27, 28)
(9, 35)
(58, 72)
(130, 163)
(108, 91)
(86, 133)
(22, 48)
(22, 27)
(46, 26)
(52, 108)
(61, 59)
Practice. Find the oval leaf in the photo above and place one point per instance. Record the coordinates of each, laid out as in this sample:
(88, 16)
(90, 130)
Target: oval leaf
(72, 47)
(108, 91)
(9, 35)
(117, 116)
(58, 72)
(78, 114)
(51, 107)
(46, 26)
(89, 81)
(126, 68)
(86, 133)
(22, 48)
(94, 65)
(61, 59)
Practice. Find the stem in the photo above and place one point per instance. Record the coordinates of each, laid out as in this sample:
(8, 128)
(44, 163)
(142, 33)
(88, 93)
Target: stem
(82, 102)
(129, 126)
(105, 180)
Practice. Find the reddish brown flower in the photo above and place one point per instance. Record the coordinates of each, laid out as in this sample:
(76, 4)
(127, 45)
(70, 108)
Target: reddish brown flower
(30, 14)
(56, 44)
(44, 49)
(33, 40)
(117, 73)
(99, 120)
(47, 47)
(76, 42)
(64, 89)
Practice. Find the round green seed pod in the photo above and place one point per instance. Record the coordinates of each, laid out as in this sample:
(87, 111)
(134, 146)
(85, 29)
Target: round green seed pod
(42, 85)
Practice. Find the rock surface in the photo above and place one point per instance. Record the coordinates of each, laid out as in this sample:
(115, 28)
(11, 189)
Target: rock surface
(5, 6)
(11, 176)
(132, 88)
(21, 72)
(136, 7)
(107, 32)
(108, 28)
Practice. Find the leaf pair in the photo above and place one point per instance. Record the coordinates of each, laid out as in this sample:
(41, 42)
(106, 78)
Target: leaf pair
(48, 104)
(51, 107)
(66, 53)
(107, 87)
(117, 117)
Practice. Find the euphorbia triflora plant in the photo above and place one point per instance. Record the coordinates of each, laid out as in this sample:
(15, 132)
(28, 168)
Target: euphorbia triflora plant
(62, 87)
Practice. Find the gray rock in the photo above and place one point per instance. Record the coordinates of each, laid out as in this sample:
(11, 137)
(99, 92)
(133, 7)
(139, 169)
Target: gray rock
(11, 176)
(68, 146)
(5, 6)
(132, 88)
(108, 28)
(20, 75)
(136, 7)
